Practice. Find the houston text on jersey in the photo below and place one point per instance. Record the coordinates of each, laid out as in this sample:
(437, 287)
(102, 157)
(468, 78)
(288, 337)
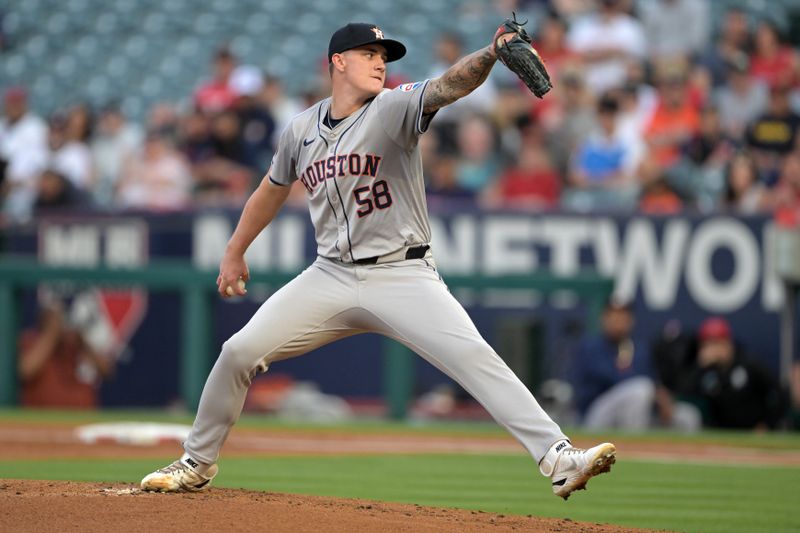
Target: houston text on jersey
(340, 165)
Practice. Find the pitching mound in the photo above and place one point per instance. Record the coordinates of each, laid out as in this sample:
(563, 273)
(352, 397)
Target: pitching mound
(45, 506)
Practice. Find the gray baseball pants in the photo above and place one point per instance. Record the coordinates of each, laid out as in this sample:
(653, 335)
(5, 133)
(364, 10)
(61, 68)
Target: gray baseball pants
(404, 300)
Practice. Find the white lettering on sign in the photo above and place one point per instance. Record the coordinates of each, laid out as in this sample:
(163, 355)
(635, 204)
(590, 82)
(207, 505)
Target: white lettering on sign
(772, 290)
(281, 245)
(605, 240)
(456, 251)
(507, 245)
(69, 244)
(643, 260)
(656, 270)
(722, 296)
(210, 235)
(122, 243)
(292, 253)
(125, 245)
(564, 236)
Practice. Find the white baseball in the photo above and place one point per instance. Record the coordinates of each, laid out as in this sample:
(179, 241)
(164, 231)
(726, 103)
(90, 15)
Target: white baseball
(230, 292)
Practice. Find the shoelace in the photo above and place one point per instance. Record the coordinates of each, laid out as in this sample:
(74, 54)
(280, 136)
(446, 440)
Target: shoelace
(573, 451)
(174, 467)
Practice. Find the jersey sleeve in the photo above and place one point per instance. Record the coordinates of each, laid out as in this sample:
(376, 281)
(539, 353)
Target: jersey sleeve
(282, 170)
(401, 112)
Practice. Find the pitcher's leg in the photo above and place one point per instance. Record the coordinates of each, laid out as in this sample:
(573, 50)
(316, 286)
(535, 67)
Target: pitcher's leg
(293, 321)
(416, 308)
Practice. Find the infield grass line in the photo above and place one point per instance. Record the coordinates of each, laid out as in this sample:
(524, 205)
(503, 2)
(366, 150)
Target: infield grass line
(770, 441)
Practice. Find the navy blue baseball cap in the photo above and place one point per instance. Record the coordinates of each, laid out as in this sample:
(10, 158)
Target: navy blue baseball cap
(358, 34)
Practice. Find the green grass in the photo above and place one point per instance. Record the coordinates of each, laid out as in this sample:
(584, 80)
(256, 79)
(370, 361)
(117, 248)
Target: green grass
(776, 441)
(662, 496)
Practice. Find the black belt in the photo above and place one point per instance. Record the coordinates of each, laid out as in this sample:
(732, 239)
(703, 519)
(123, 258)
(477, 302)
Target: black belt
(418, 252)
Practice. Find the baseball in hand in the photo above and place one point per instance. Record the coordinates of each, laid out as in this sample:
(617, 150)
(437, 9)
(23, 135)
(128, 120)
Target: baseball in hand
(230, 292)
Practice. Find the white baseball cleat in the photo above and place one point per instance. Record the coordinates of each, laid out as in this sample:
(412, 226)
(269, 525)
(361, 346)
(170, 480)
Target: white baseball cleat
(180, 476)
(574, 467)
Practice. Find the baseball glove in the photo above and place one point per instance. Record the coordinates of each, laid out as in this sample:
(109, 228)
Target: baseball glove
(521, 58)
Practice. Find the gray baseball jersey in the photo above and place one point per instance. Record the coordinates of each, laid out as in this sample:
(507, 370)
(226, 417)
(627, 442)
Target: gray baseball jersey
(363, 177)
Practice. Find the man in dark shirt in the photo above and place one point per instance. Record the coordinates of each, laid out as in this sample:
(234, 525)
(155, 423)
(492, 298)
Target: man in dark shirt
(773, 134)
(732, 392)
(611, 372)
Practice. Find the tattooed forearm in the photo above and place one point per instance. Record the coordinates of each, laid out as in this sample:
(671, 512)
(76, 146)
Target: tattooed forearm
(459, 80)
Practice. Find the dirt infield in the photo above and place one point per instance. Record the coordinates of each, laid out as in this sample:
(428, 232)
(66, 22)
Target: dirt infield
(55, 506)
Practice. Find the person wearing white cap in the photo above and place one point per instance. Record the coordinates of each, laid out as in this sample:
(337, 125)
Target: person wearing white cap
(256, 120)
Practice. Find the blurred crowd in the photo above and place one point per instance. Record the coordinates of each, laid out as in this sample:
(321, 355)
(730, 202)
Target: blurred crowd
(212, 151)
(656, 108)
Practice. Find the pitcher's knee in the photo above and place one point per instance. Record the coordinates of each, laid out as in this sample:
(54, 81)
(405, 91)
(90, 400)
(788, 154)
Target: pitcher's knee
(238, 359)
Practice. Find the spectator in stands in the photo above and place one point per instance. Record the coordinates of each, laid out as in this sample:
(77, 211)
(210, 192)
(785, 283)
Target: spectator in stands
(602, 174)
(226, 177)
(115, 141)
(57, 366)
(55, 192)
(256, 123)
(676, 27)
(443, 186)
(158, 179)
(441, 182)
(605, 41)
(195, 139)
(531, 182)
(449, 49)
(773, 62)
(226, 137)
(23, 153)
(551, 44)
(282, 106)
(658, 196)
(216, 94)
(164, 119)
(701, 177)
(214, 149)
(773, 134)
(743, 192)
(710, 146)
(734, 39)
(612, 376)
(732, 392)
(70, 154)
(569, 121)
(637, 101)
(787, 193)
(477, 165)
(742, 98)
(674, 360)
(571, 10)
(675, 120)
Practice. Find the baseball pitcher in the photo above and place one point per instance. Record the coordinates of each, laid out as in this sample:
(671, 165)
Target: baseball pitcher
(356, 154)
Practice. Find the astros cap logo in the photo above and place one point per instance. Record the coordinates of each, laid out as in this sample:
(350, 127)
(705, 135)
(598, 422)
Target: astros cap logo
(378, 32)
